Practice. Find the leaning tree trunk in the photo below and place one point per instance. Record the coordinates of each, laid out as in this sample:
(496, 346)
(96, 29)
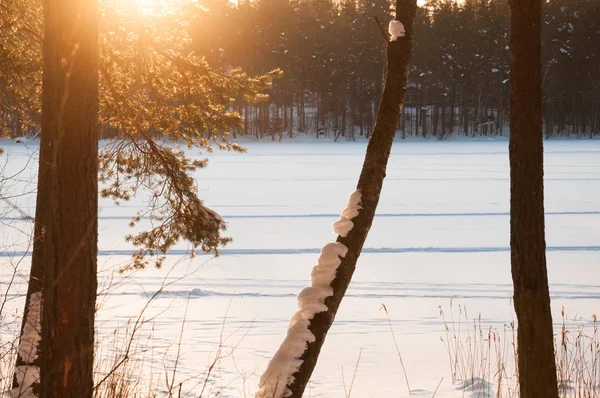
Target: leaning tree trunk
(537, 372)
(70, 124)
(369, 185)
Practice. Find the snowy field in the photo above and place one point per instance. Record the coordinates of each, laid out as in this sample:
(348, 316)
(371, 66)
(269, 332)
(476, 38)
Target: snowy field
(441, 234)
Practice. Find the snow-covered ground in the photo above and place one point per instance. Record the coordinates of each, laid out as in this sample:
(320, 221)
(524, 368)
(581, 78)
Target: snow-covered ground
(441, 234)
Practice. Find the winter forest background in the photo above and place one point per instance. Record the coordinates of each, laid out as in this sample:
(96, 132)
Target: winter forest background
(458, 83)
(332, 62)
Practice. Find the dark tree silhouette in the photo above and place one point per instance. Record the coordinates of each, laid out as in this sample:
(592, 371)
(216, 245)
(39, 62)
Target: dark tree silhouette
(537, 369)
(70, 131)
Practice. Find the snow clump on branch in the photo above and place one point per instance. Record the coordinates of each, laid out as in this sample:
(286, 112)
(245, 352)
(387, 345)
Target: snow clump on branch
(344, 224)
(396, 29)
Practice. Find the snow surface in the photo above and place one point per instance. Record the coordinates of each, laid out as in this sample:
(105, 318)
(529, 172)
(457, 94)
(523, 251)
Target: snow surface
(441, 233)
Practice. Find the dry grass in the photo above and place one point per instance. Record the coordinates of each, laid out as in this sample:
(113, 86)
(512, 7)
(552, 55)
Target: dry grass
(483, 359)
(132, 363)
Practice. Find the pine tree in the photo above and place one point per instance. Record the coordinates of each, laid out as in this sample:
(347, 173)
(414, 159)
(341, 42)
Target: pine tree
(70, 130)
(537, 369)
(152, 87)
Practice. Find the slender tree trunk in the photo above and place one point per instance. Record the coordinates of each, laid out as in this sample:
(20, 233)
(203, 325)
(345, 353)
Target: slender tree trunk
(537, 372)
(360, 116)
(246, 119)
(343, 105)
(403, 122)
(424, 107)
(285, 117)
(436, 112)
(301, 111)
(70, 122)
(291, 127)
(452, 120)
(443, 134)
(465, 113)
(370, 184)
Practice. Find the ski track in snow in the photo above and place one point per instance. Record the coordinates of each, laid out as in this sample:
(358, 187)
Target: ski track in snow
(366, 250)
(332, 215)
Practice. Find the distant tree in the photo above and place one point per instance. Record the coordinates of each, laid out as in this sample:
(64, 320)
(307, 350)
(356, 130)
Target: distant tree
(20, 67)
(537, 369)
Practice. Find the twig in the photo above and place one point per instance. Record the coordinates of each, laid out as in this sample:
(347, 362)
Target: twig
(436, 389)
(354, 375)
(382, 30)
(170, 386)
(397, 349)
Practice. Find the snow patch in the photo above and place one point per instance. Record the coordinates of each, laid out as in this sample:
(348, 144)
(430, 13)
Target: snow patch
(396, 29)
(478, 387)
(26, 377)
(311, 300)
(31, 333)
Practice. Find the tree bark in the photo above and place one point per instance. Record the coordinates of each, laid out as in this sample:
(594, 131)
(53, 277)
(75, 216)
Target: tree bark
(536, 362)
(369, 183)
(70, 123)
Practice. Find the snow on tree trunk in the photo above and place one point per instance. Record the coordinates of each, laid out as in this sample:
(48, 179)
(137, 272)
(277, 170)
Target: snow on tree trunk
(36, 272)
(311, 300)
(27, 374)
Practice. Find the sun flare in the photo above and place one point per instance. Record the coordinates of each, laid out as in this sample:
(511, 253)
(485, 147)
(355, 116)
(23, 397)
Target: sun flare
(151, 7)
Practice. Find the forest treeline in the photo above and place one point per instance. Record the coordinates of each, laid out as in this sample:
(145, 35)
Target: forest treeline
(332, 56)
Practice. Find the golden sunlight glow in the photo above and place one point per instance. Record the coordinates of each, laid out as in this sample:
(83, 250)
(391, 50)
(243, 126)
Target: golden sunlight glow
(151, 7)
(145, 3)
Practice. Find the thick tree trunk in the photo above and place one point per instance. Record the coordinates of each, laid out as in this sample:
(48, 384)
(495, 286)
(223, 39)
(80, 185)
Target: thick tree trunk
(537, 372)
(369, 184)
(70, 122)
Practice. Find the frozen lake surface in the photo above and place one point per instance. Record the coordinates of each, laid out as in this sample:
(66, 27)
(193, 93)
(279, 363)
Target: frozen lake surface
(441, 233)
